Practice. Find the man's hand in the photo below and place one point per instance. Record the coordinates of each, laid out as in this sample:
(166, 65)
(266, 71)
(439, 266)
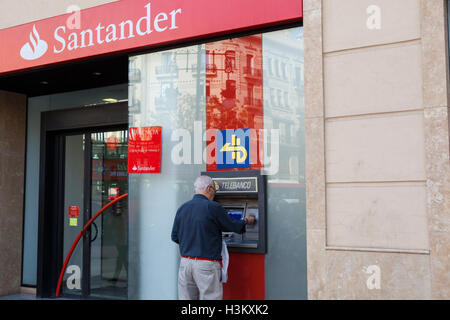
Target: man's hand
(250, 220)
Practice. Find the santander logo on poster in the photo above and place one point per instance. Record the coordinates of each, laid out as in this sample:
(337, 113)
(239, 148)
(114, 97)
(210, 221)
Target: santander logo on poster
(129, 25)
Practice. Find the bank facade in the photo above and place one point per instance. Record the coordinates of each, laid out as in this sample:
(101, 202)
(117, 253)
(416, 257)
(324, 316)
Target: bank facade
(329, 119)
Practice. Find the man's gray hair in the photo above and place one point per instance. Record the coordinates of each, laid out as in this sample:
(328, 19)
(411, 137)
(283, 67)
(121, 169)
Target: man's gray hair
(202, 183)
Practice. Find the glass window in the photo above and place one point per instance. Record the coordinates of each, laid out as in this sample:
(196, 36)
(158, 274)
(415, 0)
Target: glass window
(155, 198)
(218, 86)
(286, 212)
(108, 246)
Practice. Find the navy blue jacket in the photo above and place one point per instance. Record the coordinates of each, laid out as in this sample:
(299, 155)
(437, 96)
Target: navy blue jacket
(198, 228)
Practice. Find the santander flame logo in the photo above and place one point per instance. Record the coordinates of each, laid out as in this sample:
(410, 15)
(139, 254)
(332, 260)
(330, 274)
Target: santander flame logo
(36, 49)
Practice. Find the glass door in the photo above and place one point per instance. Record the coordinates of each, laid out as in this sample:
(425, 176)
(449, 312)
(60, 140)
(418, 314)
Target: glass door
(108, 243)
(95, 173)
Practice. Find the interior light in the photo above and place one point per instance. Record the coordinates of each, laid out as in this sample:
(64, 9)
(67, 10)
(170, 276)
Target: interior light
(110, 100)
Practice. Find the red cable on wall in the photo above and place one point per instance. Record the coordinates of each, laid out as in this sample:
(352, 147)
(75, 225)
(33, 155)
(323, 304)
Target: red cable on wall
(82, 233)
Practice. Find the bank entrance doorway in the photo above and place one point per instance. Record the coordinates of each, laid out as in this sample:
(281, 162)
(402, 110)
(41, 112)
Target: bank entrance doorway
(85, 169)
(95, 173)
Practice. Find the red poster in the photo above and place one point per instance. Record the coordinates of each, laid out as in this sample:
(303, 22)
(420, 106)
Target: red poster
(74, 211)
(144, 150)
(112, 143)
(113, 193)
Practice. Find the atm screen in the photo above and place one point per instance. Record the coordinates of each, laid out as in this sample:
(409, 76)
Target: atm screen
(235, 214)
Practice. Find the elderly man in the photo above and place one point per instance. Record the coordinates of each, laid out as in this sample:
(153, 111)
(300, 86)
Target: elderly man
(198, 228)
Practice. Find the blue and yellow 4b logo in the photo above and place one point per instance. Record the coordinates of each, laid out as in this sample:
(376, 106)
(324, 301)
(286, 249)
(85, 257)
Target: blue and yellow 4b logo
(233, 148)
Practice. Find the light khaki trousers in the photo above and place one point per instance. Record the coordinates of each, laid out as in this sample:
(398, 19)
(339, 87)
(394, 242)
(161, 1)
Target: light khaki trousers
(199, 280)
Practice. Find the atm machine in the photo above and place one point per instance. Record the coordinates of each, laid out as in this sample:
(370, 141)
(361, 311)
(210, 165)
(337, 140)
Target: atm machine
(242, 193)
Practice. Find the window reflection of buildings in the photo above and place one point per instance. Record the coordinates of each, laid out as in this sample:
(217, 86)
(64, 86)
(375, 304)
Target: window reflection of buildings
(172, 84)
(102, 159)
(235, 86)
(179, 83)
(100, 151)
(283, 85)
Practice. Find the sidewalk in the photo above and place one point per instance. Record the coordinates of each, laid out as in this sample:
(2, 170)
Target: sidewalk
(20, 296)
(28, 296)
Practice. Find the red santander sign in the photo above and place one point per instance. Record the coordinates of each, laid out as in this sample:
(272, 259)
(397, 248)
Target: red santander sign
(144, 150)
(129, 25)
